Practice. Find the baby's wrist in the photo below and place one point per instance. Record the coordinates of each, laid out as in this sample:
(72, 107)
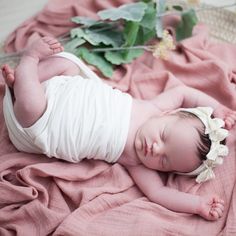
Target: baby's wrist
(199, 205)
(216, 105)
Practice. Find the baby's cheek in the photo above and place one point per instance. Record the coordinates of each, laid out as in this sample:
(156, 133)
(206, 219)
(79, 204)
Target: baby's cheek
(138, 144)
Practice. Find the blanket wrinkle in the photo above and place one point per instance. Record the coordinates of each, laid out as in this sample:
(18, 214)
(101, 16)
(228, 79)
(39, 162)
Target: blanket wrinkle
(43, 196)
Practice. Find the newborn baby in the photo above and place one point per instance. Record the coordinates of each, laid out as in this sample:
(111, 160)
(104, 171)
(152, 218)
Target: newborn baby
(57, 106)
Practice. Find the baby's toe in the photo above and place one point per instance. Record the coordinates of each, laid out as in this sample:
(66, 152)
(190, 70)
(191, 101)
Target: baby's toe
(57, 50)
(8, 75)
(6, 69)
(53, 41)
(48, 39)
(55, 45)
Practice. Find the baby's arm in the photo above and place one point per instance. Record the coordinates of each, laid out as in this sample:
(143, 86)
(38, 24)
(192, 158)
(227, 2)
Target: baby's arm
(150, 183)
(183, 96)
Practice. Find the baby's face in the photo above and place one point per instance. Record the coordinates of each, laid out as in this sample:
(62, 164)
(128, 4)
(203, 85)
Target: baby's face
(168, 143)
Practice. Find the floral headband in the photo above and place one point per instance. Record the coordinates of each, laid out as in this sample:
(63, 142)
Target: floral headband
(213, 127)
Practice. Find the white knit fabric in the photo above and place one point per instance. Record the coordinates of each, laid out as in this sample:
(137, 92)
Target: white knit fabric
(85, 118)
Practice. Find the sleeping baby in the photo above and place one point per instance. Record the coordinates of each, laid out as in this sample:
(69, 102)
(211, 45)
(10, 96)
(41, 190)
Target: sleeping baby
(55, 105)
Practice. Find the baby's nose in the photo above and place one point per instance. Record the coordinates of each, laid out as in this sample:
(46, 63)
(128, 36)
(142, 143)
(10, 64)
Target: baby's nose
(157, 149)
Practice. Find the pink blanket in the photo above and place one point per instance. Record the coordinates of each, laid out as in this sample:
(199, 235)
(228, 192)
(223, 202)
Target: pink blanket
(42, 196)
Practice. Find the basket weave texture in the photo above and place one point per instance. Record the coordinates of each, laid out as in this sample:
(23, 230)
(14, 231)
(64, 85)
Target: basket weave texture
(221, 22)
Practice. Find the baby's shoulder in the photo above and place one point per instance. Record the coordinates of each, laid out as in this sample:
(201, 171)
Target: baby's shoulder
(145, 106)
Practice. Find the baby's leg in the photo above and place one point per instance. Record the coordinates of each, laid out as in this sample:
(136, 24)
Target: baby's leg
(47, 68)
(30, 102)
(53, 66)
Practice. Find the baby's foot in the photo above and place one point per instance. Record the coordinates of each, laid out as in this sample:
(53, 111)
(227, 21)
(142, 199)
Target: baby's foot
(8, 75)
(43, 47)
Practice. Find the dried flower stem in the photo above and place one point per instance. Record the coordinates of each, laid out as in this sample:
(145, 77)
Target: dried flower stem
(121, 48)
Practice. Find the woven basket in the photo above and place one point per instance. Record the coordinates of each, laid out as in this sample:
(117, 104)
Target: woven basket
(221, 22)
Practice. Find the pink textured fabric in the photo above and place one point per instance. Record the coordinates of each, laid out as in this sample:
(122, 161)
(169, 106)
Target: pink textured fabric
(42, 196)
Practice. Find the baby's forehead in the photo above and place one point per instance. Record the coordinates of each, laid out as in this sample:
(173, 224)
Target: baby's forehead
(188, 119)
(184, 132)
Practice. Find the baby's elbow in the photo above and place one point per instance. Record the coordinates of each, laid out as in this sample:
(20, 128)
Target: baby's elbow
(182, 88)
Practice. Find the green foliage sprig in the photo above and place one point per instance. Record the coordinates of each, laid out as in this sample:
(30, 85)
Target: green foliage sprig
(122, 34)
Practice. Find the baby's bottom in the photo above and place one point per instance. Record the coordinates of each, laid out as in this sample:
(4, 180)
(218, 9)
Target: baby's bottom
(35, 67)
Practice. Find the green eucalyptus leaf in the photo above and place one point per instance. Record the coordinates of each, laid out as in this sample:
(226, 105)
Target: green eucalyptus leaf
(188, 21)
(121, 57)
(159, 28)
(80, 33)
(103, 26)
(96, 37)
(91, 23)
(160, 9)
(129, 12)
(107, 37)
(97, 60)
(77, 32)
(149, 18)
(144, 35)
(177, 8)
(130, 33)
(84, 20)
(160, 6)
(73, 44)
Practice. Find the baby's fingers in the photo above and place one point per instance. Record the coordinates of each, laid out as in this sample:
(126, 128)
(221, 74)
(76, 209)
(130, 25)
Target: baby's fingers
(233, 113)
(229, 122)
(216, 199)
(217, 209)
(215, 214)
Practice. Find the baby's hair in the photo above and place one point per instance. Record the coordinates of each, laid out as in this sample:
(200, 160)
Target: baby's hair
(203, 146)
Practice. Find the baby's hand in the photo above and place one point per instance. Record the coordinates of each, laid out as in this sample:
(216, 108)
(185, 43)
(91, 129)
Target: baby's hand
(226, 114)
(211, 207)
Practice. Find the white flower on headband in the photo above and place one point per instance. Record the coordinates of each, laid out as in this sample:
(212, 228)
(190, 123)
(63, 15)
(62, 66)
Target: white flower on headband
(213, 127)
(206, 172)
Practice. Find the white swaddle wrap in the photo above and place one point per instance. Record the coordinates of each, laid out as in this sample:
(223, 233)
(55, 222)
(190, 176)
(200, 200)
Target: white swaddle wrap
(85, 118)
